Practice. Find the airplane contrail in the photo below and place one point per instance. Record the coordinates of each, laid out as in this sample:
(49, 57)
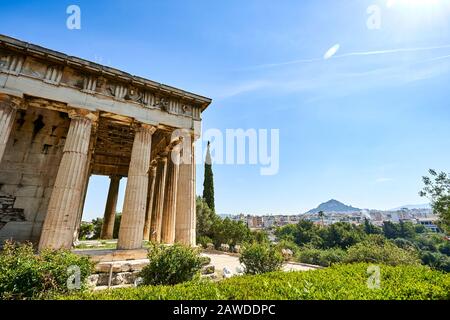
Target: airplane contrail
(350, 54)
(390, 51)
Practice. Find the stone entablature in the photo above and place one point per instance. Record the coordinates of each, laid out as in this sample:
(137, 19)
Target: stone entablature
(26, 60)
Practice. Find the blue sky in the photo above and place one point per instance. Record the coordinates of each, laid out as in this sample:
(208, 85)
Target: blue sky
(361, 127)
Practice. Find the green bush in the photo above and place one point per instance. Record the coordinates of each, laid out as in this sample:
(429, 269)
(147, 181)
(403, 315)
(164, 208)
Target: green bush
(288, 244)
(86, 230)
(404, 244)
(323, 258)
(444, 248)
(436, 260)
(261, 258)
(381, 251)
(205, 260)
(342, 235)
(259, 236)
(203, 241)
(26, 275)
(339, 282)
(171, 264)
(227, 231)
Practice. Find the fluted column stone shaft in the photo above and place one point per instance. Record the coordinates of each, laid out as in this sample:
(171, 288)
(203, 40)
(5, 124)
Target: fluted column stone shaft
(110, 208)
(62, 212)
(7, 116)
(185, 209)
(150, 199)
(133, 215)
(158, 202)
(170, 198)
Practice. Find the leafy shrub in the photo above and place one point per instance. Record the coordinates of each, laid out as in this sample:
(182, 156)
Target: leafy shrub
(288, 244)
(404, 244)
(260, 236)
(203, 241)
(339, 282)
(428, 243)
(323, 258)
(342, 235)
(205, 260)
(86, 230)
(445, 248)
(219, 231)
(260, 258)
(382, 251)
(91, 230)
(25, 275)
(171, 264)
(227, 231)
(436, 260)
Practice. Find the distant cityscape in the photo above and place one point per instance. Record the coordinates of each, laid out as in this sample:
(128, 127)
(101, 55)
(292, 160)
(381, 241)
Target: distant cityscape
(335, 211)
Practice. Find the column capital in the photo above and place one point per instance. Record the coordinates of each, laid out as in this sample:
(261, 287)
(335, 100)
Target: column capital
(174, 144)
(115, 177)
(10, 101)
(138, 126)
(82, 114)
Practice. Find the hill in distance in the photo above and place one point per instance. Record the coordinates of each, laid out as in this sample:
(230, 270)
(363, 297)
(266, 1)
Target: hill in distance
(413, 206)
(333, 206)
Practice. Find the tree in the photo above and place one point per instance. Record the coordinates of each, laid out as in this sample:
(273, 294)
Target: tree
(218, 230)
(407, 230)
(342, 235)
(391, 230)
(377, 250)
(321, 215)
(370, 228)
(86, 230)
(437, 189)
(208, 183)
(97, 227)
(418, 228)
(260, 236)
(230, 232)
(90, 230)
(206, 218)
(261, 258)
(306, 232)
(286, 232)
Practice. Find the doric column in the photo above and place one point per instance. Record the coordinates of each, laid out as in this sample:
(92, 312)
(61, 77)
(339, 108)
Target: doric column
(8, 107)
(193, 232)
(170, 197)
(158, 202)
(87, 178)
(150, 197)
(81, 207)
(133, 215)
(62, 213)
(185, 210)
(110, 209)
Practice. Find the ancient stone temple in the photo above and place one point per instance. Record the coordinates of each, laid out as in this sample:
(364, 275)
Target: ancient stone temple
(63, 119)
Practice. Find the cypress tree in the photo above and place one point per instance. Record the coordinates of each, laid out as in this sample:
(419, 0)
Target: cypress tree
(208, 182)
